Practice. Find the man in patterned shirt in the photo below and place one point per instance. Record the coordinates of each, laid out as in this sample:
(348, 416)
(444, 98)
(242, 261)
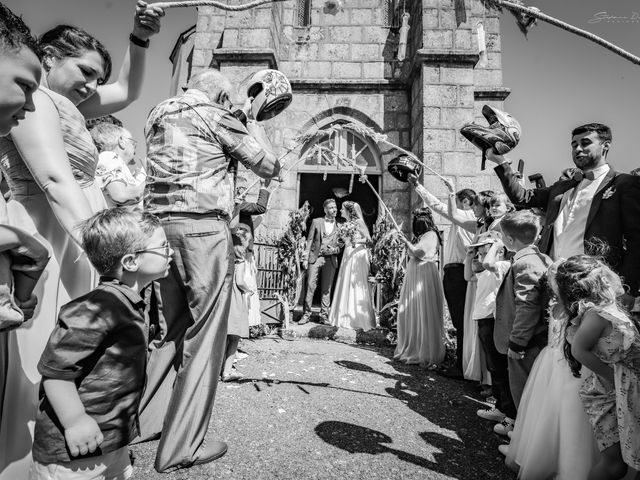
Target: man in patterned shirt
(194, 142)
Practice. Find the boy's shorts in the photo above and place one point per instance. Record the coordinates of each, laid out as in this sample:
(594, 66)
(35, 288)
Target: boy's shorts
(110, 466)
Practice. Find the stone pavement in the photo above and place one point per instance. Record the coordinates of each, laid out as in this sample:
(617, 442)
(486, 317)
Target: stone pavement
(317, 409)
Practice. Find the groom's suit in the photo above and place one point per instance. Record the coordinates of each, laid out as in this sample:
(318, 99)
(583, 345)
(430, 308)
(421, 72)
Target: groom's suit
(613, 218)
(323, 249)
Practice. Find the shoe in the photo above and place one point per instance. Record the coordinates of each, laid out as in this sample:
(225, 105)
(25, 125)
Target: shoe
(208, 452)
(494, 415)
(305, 319)
(503, 449)
(504, 427)
(241, 356)
(452, 372)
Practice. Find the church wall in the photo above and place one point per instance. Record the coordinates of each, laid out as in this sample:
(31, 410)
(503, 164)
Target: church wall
(348, 61)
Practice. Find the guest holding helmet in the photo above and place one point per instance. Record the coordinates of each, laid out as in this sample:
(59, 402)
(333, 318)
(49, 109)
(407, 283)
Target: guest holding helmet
(49, 162)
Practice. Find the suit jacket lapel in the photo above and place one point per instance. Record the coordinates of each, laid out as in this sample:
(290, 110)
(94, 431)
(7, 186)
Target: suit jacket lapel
(597, 198)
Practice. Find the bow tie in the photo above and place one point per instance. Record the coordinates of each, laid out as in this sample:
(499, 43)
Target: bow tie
(579, 175)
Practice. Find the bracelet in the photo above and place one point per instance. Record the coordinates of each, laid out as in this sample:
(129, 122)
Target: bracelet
(138, 41)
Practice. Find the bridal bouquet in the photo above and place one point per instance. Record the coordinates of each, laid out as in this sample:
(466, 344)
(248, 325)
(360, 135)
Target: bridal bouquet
(347, 232)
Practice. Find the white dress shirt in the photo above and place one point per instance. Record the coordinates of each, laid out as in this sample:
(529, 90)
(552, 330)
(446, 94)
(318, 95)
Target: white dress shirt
(570, 226)
(455, 247)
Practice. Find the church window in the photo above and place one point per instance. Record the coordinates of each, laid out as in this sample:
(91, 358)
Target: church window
(303, 13)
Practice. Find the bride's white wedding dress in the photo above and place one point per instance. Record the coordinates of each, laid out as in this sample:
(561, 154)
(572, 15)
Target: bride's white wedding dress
(352, 305)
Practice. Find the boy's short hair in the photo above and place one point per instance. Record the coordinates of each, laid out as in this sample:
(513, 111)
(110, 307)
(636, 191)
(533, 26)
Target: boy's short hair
(523, 225)
(106, 136)
(327, 202)
(113, 233)
(466, 194)
(14, 33)
(604, 132)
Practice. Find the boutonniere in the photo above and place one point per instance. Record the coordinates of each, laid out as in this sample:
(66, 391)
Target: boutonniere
(608, 193)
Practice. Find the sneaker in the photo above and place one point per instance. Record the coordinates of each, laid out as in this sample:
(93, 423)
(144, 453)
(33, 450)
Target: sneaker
(503, 449)
(305, 319)
(241, 356)
(494, 415)
(504, 427)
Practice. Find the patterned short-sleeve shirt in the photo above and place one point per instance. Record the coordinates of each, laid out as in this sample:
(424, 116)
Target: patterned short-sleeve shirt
(191, 143)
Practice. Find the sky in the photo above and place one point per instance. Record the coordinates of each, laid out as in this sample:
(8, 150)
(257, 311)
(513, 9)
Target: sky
(557, 80)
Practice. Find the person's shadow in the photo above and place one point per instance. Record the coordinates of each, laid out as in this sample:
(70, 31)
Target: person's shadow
(356, 439)
(473, 454)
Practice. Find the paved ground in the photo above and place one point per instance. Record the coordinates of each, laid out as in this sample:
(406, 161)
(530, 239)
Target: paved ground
(317, 409)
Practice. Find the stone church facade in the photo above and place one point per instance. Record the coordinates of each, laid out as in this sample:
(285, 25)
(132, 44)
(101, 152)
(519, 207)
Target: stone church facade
(343, 67)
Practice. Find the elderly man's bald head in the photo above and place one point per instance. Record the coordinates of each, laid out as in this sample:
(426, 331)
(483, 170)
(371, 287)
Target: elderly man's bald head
(213, 83)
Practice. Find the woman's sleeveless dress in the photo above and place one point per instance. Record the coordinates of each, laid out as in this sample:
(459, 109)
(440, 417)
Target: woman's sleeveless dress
(421, 312)
(352, 305)
(552, 438)
(67, 276)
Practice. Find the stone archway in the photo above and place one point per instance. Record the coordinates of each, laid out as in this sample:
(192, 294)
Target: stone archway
(322, 175)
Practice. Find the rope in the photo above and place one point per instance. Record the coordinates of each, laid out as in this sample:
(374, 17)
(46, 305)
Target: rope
(213, 3)
(569, 28)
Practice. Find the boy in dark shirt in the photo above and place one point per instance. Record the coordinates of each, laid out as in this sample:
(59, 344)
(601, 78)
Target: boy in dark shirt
(93, 366)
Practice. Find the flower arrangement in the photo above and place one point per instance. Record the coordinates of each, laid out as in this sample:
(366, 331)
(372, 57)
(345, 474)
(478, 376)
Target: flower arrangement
(347, 232)
(387, 265)
(291, 247)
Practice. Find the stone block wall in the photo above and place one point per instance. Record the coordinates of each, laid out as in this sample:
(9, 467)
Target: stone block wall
(347, 62)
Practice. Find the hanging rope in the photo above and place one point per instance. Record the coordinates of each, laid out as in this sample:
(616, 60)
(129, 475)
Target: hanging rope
(565, 26)
(214, 3)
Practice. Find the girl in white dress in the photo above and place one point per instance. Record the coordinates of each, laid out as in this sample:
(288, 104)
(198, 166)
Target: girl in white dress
(552, 437)
(352, 305)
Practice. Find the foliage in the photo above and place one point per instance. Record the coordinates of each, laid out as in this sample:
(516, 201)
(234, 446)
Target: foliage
(387, 265)
(291, 248)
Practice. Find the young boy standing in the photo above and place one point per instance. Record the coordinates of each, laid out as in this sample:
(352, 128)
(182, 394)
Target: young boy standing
(520, 329)
(93, 366)
(490, 267)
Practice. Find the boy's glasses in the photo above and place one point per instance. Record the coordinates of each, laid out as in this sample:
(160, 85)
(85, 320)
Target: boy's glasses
(166, 250)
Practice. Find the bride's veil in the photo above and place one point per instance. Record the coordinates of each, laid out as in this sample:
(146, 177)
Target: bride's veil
(358, 211)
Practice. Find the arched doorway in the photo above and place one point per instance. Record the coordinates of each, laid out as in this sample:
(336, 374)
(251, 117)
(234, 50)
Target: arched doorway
(324, 175)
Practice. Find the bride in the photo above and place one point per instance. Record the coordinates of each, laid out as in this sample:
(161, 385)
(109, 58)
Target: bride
(352, 305)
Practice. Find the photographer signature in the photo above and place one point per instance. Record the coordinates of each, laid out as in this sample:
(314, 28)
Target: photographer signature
(607, 17)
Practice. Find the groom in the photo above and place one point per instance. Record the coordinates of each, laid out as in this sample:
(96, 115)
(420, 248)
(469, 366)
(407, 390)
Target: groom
(321, 257)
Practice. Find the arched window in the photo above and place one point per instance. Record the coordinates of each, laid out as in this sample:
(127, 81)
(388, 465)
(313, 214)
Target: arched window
(303, 13)
(328, 152)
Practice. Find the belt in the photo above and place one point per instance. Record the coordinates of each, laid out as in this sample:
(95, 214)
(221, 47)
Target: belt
(213, 215)
(453, 264)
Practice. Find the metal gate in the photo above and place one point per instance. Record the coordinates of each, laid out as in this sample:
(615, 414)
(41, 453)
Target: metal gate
(270, 281)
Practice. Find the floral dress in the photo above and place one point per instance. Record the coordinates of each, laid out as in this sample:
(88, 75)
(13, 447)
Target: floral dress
(614, 413)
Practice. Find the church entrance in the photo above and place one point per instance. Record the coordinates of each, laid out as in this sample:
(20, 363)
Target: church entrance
(313, 189)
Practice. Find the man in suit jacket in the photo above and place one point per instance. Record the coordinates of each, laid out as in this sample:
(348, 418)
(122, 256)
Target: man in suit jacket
(321, 258)
(598, 206)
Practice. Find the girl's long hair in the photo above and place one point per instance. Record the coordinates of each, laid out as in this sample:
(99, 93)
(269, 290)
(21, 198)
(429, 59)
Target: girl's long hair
(422, 223)
(580, 283)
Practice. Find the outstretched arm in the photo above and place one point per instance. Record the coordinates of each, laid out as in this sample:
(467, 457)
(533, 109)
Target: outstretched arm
(450, 211)
(525, 197)
(115, 96)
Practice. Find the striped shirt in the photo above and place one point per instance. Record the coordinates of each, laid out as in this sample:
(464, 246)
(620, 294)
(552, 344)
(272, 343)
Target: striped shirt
(193, 146)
